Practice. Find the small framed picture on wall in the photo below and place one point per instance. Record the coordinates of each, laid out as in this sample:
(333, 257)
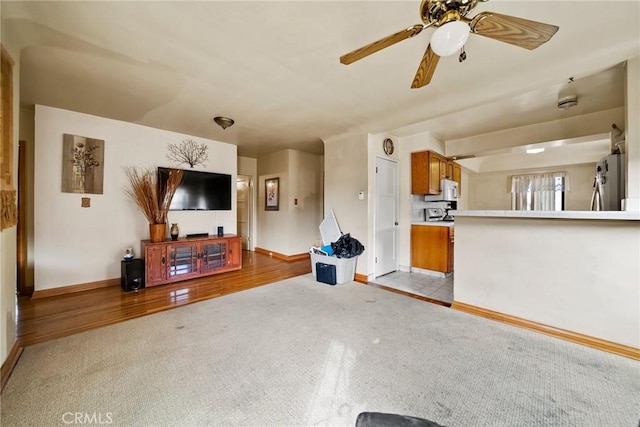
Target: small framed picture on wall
(272, 194)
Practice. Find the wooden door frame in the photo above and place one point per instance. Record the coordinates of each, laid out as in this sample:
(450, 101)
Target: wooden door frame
(23, 288)
(250, 212)
(397, 201)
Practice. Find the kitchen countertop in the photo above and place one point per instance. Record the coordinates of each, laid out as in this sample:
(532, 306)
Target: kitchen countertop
(597, 215)
(434, 223)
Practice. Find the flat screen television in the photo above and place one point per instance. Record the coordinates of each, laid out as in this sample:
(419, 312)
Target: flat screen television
(199, 191)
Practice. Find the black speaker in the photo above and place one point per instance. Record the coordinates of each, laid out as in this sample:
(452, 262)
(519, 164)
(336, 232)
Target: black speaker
(132, 274)
(220, 231)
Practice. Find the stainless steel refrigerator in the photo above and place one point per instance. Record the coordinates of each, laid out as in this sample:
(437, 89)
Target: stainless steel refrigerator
(609, 183)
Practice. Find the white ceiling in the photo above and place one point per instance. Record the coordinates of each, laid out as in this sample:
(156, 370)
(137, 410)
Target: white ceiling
(273, 67)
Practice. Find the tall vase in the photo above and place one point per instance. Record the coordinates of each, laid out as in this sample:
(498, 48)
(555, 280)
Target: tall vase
(157, 232)
(175, 231)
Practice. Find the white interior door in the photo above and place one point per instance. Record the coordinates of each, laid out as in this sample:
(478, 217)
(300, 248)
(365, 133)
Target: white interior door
(386, 216)
(243, 201)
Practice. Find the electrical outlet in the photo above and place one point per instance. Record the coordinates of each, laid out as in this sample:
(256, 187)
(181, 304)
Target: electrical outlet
(86, 202)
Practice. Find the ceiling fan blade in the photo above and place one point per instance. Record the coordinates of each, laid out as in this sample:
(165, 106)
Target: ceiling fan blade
(509, 29)
(426, 69)
(381, 44)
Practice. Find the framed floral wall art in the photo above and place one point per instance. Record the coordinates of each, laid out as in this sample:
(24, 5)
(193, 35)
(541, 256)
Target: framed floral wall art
(271, 194)
(82, 164)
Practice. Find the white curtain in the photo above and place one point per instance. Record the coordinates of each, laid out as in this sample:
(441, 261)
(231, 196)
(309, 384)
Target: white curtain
(539, 192)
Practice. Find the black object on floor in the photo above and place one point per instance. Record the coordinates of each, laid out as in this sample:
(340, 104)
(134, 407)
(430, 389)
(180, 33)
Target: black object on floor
(326, 273)
(132, 274)
(380, 419)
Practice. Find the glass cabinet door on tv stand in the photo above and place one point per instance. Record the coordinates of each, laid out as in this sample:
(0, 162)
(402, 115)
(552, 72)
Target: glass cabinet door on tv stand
(183, 260)
(213, 256)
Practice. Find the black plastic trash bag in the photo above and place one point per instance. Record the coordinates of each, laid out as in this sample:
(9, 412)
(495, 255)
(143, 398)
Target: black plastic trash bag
(347, 247)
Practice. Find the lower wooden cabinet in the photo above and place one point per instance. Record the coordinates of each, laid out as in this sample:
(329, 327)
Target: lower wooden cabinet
(432, 247)
(186, 258)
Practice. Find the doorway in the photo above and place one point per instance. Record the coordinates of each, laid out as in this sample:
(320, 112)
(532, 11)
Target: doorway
(244, 206)
(386, 216)
(24, 285)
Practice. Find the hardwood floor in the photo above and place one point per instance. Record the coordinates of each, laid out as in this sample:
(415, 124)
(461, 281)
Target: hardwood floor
(43, 319)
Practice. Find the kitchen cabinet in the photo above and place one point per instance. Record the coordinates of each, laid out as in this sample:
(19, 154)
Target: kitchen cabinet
(186, 258)
(426, 172)
(428, 168)
(449, 170)
(432, 247)
(155, 258)
(457, 176)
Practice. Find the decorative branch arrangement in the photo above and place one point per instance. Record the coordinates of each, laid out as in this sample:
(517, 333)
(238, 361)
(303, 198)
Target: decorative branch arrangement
(84, 159)
(82, 164)
(144, 191)
(188, 151)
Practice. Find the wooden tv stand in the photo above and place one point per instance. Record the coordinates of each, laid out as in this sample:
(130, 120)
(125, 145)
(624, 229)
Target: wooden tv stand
(186, 258)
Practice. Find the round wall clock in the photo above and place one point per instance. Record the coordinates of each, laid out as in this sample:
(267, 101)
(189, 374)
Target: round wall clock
(387, 146)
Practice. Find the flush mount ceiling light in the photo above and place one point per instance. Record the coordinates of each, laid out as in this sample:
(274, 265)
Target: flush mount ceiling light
(535, 150)
(567, 96)
(223, 122)
(449, 38)
(567, 102)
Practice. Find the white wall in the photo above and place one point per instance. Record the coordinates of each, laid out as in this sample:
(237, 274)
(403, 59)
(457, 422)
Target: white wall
(293, 228)
(75, 245)
(305, 199)
(273, 226)
(347, 164)
(577, 275)
(492, 191)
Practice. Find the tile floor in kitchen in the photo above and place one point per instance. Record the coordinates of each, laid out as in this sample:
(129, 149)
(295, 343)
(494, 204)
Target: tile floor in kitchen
(438, 288)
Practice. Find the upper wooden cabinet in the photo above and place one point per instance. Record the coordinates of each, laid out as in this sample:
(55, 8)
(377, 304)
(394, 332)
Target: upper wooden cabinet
(420, 173)
(457, 176)
(428, 168)
(425, 172)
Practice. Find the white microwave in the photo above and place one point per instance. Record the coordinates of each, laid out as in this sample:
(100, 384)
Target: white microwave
(449, 192)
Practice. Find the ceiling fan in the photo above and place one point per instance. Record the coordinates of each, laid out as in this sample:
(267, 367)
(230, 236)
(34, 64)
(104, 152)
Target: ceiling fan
(453, 29)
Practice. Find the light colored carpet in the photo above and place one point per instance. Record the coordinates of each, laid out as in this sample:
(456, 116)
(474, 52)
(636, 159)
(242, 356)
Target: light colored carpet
(300, 352)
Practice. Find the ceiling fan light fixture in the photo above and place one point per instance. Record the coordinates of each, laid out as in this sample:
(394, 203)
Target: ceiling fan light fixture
(223, 122)
(450, 38)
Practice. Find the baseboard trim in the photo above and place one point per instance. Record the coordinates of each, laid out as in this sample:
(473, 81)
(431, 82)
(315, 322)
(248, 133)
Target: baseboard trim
(361, 278)
(288, 258)
(45, 293)
(575, 337)
(10, 363)
(408, 294)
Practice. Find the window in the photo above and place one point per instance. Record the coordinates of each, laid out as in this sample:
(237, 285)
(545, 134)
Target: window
(539, 192)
